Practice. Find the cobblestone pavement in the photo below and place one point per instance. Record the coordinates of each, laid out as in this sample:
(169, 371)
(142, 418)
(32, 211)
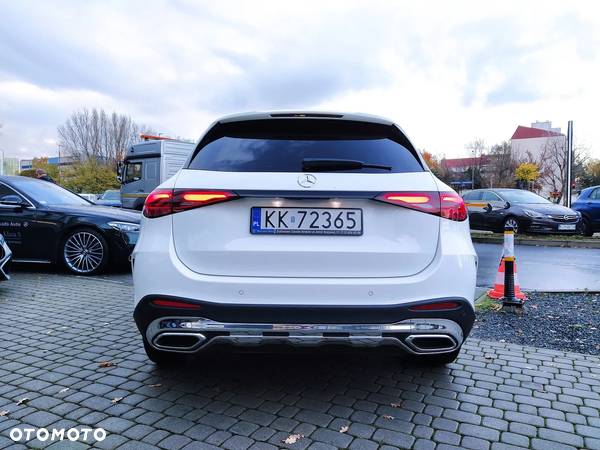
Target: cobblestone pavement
(56, 329)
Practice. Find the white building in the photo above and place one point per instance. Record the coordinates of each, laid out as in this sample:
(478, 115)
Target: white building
(545, 146)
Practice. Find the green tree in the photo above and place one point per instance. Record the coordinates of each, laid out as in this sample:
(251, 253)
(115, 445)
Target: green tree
(591, 174)
(41, 163)
(527, 172)
(433, 163)
(89, 176)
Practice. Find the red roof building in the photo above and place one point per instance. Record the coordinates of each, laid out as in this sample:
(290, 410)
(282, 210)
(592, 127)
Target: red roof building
(529, 133)
(458, 164)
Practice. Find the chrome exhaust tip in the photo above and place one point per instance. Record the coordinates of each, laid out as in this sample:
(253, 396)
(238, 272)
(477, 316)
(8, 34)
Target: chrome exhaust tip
(179, 341)
(431, 343)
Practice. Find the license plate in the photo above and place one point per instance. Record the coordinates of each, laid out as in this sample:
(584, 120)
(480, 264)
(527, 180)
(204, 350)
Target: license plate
(330, 221)
(567, 226)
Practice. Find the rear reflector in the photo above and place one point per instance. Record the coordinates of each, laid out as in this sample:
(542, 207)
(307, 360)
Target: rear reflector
(175, 304)
(162, 202)
(448, 205)
(436, 306)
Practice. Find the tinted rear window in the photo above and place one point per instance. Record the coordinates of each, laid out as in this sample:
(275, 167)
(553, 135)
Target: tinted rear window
(281, 146)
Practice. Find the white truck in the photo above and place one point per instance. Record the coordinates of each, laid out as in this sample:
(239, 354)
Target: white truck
(148, 164)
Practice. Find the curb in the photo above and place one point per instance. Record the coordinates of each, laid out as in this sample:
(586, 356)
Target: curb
(539, 242)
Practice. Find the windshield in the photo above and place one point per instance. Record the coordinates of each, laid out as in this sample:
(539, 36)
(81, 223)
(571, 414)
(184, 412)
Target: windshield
(47, 193)
(111, 195)
(524, 197)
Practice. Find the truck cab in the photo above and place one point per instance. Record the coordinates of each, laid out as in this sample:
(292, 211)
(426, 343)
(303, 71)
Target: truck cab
(148, 164)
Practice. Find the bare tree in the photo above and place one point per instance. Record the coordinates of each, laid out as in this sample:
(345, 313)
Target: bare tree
(501, 166)
(477, 148)
(553, 165)
(97, 135)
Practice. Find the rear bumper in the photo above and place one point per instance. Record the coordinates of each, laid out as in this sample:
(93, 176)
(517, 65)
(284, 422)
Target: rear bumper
(5, 255)
(195, 330)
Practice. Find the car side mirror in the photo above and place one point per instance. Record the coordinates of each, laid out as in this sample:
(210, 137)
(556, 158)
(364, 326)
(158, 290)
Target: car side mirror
(13, 201)
(507, 205)
(119, 169)
(488, 208)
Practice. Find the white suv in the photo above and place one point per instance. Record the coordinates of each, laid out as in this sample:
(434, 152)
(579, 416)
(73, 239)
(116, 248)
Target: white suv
(304, 229)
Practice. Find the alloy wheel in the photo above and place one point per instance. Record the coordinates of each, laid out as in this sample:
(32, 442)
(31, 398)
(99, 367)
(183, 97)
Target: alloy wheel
(83, 252)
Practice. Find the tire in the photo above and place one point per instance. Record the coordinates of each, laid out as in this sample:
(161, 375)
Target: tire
(164, 359)
(84, 252)
(588, 230)
(438, 360)
(512, 220)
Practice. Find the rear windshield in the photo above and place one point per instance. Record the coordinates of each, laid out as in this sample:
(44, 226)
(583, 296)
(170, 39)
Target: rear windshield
(284, 146)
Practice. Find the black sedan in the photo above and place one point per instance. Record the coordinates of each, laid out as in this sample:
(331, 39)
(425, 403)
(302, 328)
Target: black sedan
(524, 211)
(45, 223)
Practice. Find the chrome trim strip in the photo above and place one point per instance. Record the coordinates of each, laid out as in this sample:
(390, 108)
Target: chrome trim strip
(360, 335)
(410, 341)
(201, 338)
(35, 261)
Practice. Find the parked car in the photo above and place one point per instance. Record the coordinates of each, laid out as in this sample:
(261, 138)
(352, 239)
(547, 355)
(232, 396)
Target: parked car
(111, 197)
(524, 211)
(588, 205)
(304, 229)
(45, 223)
(89, 197)
(5, 255)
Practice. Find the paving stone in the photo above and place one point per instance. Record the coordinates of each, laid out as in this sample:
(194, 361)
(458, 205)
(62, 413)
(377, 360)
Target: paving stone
(515, 439)
(237, 443)
(520, 398)
(363, 444)
(395, 438)
(561, 437)
(334, 438)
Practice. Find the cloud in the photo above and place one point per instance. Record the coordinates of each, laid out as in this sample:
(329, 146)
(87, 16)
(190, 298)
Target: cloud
(447, 72)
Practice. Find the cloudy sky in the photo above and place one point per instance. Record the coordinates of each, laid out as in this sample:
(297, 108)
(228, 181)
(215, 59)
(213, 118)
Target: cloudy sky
(447, 72)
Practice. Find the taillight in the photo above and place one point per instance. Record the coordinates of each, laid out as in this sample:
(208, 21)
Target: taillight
(448, 205)
(453, 206)
(428, 202)
(158, 203)
(162, 202)
(435, 306)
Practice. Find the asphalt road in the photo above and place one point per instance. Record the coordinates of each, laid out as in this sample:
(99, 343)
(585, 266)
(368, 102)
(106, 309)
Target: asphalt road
(544, 268)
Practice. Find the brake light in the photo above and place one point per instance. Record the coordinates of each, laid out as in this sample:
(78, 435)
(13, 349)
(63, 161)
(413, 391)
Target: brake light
(162, 202)
(175, 304)
(448, 205)
(158, 203)
(428, 202)
(436, 306)
(185, 199)
(453, 206)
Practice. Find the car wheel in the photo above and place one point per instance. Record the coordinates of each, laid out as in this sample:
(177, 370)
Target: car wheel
(513, 223)
(588, 230)
(439, 360)
(85, 252)
(162, 358)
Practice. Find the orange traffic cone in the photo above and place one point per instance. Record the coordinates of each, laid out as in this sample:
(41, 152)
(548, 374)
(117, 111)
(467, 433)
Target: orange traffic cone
(498, 291)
